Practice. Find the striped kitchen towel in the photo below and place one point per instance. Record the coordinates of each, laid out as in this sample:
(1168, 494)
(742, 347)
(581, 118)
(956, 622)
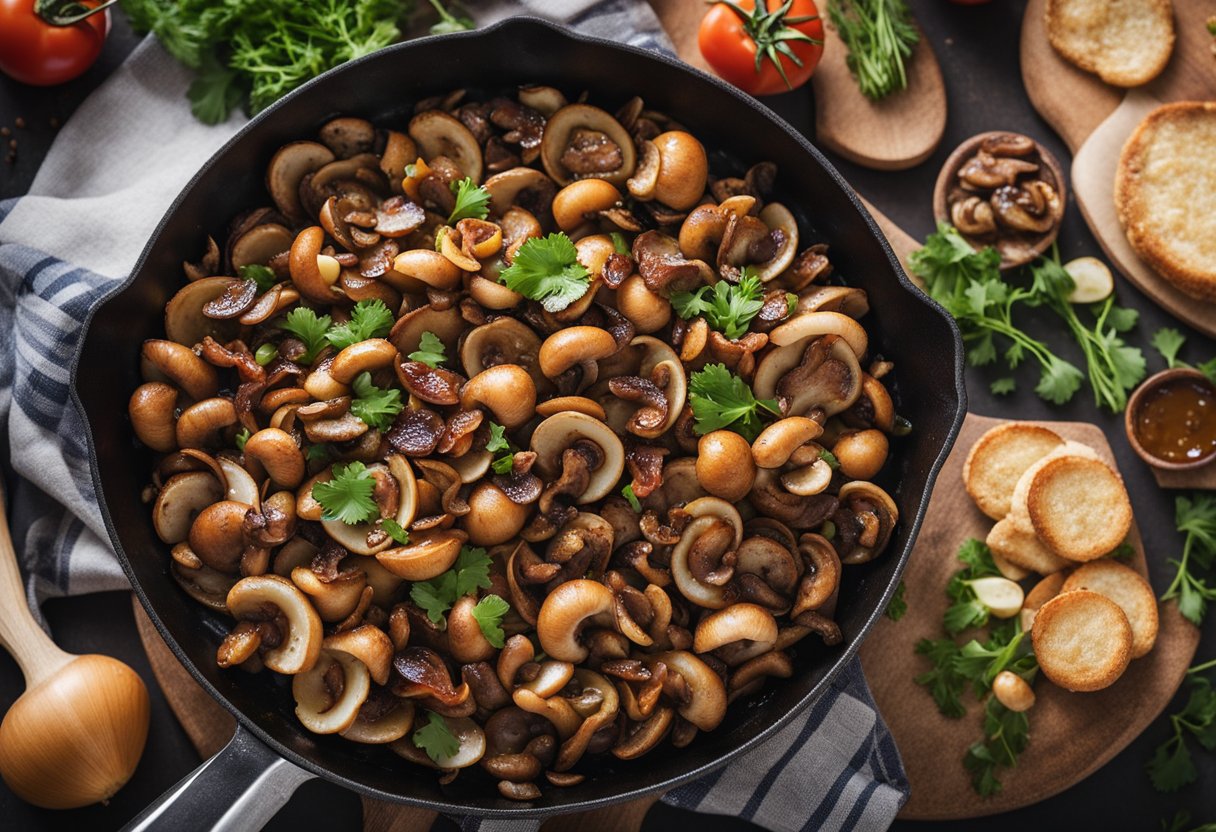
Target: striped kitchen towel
(68, 243)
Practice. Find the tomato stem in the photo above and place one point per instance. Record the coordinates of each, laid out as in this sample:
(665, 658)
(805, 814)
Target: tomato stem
(67, 12)
(770, 31)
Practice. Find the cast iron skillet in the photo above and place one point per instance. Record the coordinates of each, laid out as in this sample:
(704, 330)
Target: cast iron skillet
(903, 325)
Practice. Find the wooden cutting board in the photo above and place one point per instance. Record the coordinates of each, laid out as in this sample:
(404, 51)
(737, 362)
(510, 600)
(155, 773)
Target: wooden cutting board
(1096, 119)
(1071, 735)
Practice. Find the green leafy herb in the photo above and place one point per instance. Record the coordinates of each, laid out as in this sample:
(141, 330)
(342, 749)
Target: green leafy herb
(1114, 367)
(488, 613)
(1003, 386)
(348, 496)
(965, 610)
(791, 301)
(430, 350)
(470, 573)
(1181, 822)
(945, 683)
(1006, 734)
(472, 201)
(727, 307)
(242, 437)
(968, 284)
(1171, 766)
(436, 739)
(375, 406)
(546, 269)
(631, 498)
(830, 458)
(1005, 649)
(310, 328)
(504, 460)
(619, 244)
(369, 319)
(1195, 517)
(448, 21)
(721, 399)
(319, 453)
(255, 52)
(393, 529)
(265, 354)
(879, 35)
(898, 605)
(261, 275)
(1169, 342)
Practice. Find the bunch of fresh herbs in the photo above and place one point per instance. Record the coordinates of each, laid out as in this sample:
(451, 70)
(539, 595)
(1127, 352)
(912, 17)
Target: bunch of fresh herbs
(879, 35)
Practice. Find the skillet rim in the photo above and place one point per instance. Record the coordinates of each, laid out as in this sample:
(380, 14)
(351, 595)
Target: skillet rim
(840, 660)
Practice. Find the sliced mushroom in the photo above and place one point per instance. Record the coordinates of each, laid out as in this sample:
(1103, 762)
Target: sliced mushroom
(290, 164)
(810, 377)
(706, 705)
(180, 501)
(559, 432)
(266, 598)
(566, 612)
(185, 321)
(585, 137)
(319, 706)
(439, 134)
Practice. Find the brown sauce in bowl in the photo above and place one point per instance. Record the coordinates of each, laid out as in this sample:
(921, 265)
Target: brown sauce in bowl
(1176, 421)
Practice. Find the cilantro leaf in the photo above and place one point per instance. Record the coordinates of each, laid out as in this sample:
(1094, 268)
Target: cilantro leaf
(488, 613)
(214, 92)
(898, 605)
(830, 458)
(791, 302)
(1169, 342)
(965, 610)
(375, 406)
(1171, 766)
(470, 573)
(720, 399)
(436, 739)
(472, 570)
(393, 529)
(631, 498)
(727, 307)
(546, 269)
(242, 437)
(310, 328)
(1195, 517)
(261, 275)
(1003, 386)
(369, 319)
(504, 461)
(348, 496)
(430, 350)
(944, 682)
(1006, 735)
(472, 201)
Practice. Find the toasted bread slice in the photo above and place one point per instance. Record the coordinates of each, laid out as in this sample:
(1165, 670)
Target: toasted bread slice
(1021, 548)
(1082, 640)
(1079, 507)
(999, 458)
(1165, 194)
(1040, 594)
(1127, 588)
(1124, 42)
(1017, 503)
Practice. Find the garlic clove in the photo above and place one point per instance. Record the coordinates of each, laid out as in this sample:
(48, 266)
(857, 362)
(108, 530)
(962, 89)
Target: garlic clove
(1001, 596)
(1092, 278)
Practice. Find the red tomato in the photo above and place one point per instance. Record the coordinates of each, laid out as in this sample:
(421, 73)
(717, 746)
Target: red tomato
(34, 51)
(745, 45)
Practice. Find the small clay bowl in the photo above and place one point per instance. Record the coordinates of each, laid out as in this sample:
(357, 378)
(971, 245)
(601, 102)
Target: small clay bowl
(1150, 384)
(1016, 247)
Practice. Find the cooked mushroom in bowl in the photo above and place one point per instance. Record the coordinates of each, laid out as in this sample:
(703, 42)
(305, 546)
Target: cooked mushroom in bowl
(516, 435)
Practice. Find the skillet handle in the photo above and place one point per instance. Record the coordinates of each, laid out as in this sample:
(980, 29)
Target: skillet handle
(237, 790)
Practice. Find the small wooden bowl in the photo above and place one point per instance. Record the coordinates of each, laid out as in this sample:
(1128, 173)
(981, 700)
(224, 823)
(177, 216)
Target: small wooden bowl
(1016, 247)
(1133, 406)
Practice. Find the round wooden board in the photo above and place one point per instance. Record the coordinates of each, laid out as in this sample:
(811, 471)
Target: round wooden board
(1071, 735)
(1096, 119)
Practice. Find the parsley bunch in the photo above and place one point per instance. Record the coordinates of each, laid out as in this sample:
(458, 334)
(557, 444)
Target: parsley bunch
(1171, 766)
(1195, 517)
(720, 399)
(727, 307)
(546, 269)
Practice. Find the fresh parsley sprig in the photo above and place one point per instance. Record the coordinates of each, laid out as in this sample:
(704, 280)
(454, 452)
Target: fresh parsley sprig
(546, 269)
(430, 350)
(966, 610)
(436, 739)
(472, 201)
(727, 307)
(897, 607)
(261, 275)
(1195, 517)
(504, 459)
(369, 319)
(1169, 342)
(1172, 766)
(720, 399)
(377, 407)
(348, 495)
(1006, 735)
(488, 613)
(310, 328)
(470, 573)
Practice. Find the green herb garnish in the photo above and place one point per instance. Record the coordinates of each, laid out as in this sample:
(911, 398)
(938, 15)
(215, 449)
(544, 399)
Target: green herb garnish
(1195, 517)
(348, 496)
(727, 307)
(430, 350)
(1171, 766)
(394, 530)
(470, 573)
(546, 269)
(310, 328)
(436, 739)
(879, 35)
(488, 613)
(472, 201)
(898, 605)
(377, 407)
(720, 399)
(261, 275)
(369, 319)
(631, 498)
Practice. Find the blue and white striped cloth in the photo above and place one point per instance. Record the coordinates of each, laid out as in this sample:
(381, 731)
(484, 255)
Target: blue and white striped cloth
(69, 242)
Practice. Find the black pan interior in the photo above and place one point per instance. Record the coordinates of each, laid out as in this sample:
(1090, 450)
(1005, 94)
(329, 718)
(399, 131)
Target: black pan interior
(903, 326)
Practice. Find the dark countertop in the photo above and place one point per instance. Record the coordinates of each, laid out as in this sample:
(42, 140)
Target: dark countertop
(978, 51)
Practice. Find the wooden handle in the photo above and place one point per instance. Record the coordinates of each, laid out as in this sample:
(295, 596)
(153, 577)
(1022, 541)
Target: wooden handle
(19, 633)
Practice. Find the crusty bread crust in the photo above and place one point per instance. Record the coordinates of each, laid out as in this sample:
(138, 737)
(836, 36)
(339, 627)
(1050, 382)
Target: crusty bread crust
(1079, 507)
(1022, 548)
(999, 458)
(1165, 194)
(1083, 641)
(1124, 42)
(1126, 587)
(1017, 504)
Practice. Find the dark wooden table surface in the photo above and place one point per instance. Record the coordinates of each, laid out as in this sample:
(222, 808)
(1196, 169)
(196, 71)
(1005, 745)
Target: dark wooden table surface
(977, 47)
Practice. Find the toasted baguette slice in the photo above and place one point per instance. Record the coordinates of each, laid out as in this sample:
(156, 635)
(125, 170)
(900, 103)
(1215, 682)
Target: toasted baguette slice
(1125, 586)
(1079, 507)
(1124, 42)
(1082, 640)
(1165, 195)
(1017, 503)
(999, 458)
(1040, 594)
(1021, 548)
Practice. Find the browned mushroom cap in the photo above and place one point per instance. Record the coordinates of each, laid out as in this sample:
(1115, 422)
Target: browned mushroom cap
(306, 274)
(465, 637)
(702, 231)
(984, 170)
(417, 268)
(290, 164)
(329, 694)
(269, 597)
(362, 356)
(581, 201)
(646, 310)
(180, 501)
(439, 134)
(152, 409)
(574, 345)
(528, 188)
(767, 569)
(1033, 207)
(583, 141)
(187, 321)
(748, 629)
(664, 268)
(822, 576)
(277, 452)
(861, 454)
(370, 645)
(682, 170)
(506, 390)
(642, 737)
(336, 596)
(493, 516)
(259, 244)
(169, 361)
(847, 300)
(864, 522)
(446, 324)
(348, 136)
(382, 719)
(973, 215)
(725, 467)
(749, 676)
(714, 533)
(566, 612)
(706, 705)
(814, 325)
(427, 555)
(561, 431)
(594, 691)
(777, 442)
(810, 377)
(200, 424)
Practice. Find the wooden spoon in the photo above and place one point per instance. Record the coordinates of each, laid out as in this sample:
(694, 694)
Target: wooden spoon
(76, 734)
